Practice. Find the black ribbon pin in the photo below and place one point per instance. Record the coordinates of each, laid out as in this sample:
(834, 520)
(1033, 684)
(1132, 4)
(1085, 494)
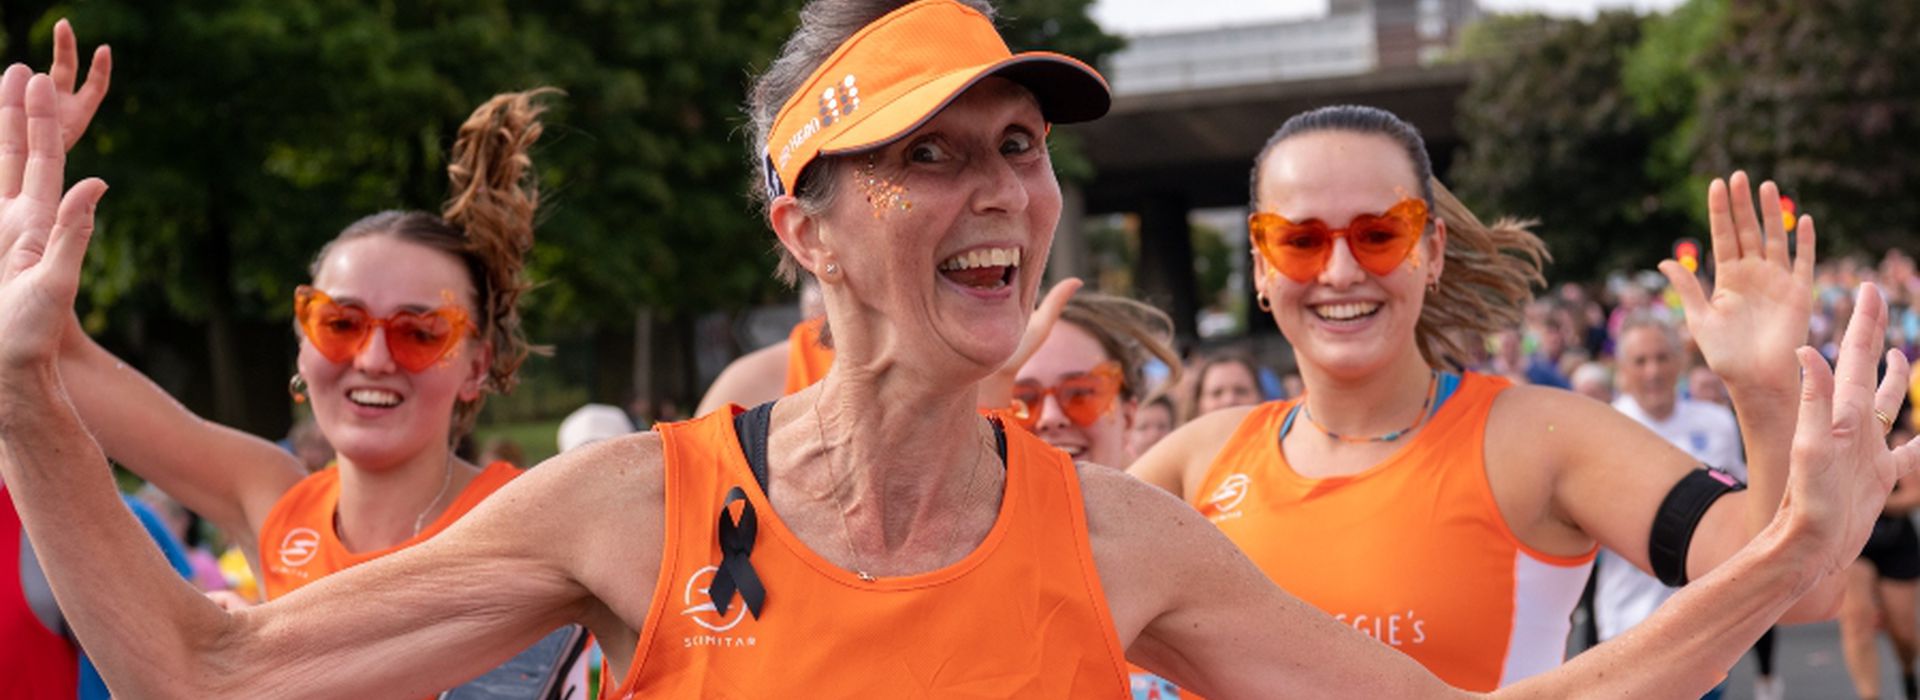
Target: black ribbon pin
(736, 570)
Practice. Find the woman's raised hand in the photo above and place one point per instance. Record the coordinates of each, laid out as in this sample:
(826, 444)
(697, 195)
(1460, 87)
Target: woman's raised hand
(43, 235)
(997, 390)
(77, 105)
(1762, 295)
(1842, 468)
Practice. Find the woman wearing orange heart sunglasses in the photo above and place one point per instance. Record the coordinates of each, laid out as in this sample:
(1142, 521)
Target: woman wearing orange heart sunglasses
(410, 321)
(1397, 470)
(1079, 389)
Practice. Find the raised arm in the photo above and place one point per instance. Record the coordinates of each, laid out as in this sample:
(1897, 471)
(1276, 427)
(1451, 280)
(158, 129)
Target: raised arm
(1750, 326)
(1611, 475)
(1230, 634)
(408, 623)
(225, 475)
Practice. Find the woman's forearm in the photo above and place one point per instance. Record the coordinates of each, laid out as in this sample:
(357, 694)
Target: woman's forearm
(136, 618)
(1687, 646)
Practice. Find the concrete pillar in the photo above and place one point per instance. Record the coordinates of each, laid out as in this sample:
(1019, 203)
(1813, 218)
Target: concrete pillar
(1164, 273)
(1071, 256)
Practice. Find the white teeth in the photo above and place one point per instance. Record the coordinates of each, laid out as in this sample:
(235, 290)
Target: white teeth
(1347, 311)
(987, 257)
(373, 397)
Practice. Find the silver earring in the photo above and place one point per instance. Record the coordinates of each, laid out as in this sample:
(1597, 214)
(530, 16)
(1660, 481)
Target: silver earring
(833, 268)
(297, 388)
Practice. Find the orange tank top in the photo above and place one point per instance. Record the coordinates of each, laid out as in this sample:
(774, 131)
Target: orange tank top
(807, 358)
(298, 544)
(1413, 551)
(1023, 615)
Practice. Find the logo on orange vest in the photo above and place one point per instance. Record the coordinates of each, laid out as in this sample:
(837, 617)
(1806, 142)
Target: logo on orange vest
(299, 546)
(705, 614)
(1228, 496)
(1397, 629)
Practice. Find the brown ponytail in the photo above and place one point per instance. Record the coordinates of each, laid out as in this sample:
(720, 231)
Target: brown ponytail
(494, 193)
(1486, 284)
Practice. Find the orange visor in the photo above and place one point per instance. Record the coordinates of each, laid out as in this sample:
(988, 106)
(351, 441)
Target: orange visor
(896, 73)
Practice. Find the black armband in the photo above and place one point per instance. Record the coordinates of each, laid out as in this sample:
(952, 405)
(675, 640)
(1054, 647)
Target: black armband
(1679, 516)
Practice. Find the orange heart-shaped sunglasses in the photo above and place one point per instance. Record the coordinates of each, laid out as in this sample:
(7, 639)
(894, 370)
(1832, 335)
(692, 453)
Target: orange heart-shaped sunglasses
(1301, 250)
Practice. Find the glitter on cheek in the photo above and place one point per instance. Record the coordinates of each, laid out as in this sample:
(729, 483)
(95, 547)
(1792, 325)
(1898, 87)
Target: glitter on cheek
(883, 194)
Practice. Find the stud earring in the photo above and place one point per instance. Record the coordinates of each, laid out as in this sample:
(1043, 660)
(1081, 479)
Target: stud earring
(297, 388)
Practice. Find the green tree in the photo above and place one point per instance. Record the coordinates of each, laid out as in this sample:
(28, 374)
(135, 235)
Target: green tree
(241, 135)
(1823, 96)
(1062, 26)
(1551, 134)
(1664, 75)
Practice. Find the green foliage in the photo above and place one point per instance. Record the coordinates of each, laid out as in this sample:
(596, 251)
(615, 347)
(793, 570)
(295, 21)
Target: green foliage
(1665, 77)
(1062, 26)
(1825, 98)
(242, 135)
(1551, 134)
(263, 127)
(1609, 130)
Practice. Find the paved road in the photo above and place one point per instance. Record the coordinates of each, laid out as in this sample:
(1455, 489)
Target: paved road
(1808, 658)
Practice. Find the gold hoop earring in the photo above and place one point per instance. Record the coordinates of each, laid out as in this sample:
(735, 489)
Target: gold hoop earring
(297, 388)
(1266, 306)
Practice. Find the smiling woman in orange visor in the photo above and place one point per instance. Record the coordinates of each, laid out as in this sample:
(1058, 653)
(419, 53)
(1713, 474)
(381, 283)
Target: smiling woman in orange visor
(873, 535)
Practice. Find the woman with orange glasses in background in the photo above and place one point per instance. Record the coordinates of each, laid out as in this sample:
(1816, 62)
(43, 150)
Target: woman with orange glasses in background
(411, 319)
(1080, 388)
(1396, 470)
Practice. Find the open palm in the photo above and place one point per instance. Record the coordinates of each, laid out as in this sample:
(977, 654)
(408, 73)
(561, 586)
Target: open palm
(43, 235)
(1842, 467)
(1762, 295)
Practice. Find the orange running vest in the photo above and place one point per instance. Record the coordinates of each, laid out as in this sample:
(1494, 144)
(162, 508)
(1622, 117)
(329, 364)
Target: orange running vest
(298, 544)
(1022, 616)
(1413, 551)
(807, 359)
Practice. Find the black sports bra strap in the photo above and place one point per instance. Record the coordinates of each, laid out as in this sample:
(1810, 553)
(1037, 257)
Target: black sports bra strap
(752, 427)
(999, 439)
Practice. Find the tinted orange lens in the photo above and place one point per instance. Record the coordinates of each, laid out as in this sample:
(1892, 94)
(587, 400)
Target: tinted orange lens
(1084, 399)
(336, 331)
(1028, 398)
(1380, 243)
(419, 340)
(1301, 250)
